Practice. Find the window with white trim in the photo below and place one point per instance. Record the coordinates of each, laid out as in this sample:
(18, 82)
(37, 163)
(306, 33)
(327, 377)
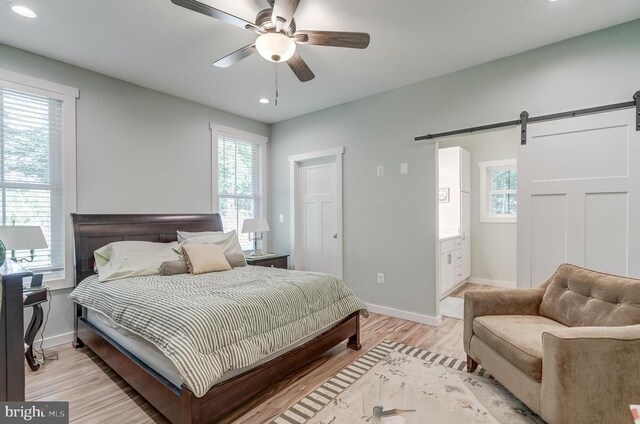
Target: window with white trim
(240, 179)
(499, 191)
(31, 171)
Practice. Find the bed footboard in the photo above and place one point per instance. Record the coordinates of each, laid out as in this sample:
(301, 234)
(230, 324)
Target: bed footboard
(179, 405)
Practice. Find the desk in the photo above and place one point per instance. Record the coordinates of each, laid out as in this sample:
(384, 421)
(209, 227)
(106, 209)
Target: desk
(12, 332)
(33, 297)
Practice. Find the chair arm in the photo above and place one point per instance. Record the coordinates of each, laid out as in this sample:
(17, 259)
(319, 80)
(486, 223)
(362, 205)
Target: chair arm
(590, 374)
(498, 302)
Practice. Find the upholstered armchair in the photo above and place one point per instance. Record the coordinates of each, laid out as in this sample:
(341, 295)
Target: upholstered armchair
(570, 350)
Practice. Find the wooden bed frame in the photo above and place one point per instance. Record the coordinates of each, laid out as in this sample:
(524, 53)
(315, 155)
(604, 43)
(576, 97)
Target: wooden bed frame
(179, 404)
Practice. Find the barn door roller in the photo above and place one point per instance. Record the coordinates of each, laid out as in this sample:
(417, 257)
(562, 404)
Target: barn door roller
(637, 99)
(524, 119)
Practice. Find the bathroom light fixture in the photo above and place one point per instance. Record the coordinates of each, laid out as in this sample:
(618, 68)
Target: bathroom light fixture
(24, 11)
(264, 101)
(275, 47)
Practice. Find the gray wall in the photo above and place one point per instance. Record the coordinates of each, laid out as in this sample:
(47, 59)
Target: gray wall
(493, 245)
(389, 222)
(138, 150)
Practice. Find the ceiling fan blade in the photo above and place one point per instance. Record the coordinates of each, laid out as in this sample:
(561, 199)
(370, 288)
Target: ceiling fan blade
(352, 40)
(236, 56)
(205, 9)
(300, 68)
(283, 11)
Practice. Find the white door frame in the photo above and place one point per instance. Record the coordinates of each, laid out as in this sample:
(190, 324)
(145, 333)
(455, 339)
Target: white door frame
(294, 165)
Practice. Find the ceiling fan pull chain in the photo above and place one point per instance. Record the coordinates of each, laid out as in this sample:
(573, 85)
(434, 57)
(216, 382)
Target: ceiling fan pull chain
(277, 84)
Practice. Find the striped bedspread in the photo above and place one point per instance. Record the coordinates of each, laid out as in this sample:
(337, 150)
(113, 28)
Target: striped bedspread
(210, 324)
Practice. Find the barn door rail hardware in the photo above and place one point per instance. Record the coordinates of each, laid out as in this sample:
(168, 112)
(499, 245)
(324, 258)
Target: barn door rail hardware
(525, 119)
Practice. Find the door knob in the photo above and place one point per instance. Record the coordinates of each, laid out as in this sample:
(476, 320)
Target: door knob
(335, 236)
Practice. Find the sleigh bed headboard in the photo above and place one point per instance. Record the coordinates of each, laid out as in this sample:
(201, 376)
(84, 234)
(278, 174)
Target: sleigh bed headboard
(90, 232)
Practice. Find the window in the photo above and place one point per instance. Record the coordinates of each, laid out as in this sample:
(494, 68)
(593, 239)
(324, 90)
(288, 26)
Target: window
(31, 171)
(240, 180)
(37, 168)
(499, 191)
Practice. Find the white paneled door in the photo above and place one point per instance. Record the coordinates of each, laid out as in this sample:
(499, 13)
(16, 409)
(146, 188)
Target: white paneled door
(318, 212)
(579, 196)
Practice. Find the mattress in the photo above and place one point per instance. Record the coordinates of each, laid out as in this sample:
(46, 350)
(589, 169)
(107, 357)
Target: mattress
(210, 325)
(157, 361)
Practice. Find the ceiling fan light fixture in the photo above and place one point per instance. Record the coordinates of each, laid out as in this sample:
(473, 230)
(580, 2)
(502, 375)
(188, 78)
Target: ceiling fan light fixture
(275, 47)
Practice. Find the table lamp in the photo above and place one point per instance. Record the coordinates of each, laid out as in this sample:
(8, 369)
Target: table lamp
(255, 227)
(21, 237)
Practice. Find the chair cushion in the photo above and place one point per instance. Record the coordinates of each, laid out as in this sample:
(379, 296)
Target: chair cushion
(579, 297)
(517, 338)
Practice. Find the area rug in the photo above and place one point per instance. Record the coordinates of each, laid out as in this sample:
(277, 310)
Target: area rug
(431, 388)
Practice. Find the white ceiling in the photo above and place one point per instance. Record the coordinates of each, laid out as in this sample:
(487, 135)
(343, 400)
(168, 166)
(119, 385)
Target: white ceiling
(158, 45)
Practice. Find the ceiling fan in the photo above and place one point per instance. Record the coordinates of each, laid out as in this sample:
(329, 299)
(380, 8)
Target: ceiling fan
(278, 35)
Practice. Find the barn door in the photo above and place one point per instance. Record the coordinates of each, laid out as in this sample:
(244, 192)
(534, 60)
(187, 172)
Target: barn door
(579, 196)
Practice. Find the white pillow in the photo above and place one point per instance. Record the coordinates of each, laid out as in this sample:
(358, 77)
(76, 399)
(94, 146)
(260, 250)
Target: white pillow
(227, 241)
(132, 258)
(183, 235)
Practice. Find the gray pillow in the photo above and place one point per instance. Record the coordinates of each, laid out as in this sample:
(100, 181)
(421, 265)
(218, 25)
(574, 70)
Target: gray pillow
(174, 268)
(235, 259)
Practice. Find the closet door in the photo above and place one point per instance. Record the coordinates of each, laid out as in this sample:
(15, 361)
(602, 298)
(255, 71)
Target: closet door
(465, 171)
(465, 232)
(579, 196)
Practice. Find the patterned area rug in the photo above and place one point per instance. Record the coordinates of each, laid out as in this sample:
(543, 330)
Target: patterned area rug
(430, 387)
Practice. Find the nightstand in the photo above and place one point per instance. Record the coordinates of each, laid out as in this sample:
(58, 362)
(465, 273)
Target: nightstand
(272, 260)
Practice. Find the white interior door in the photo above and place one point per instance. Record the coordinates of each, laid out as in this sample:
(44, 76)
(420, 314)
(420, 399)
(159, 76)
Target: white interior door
(318, 212)
(579, 196)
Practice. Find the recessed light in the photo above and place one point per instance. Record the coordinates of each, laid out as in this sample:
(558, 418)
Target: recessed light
(24, 11)
(265, 101)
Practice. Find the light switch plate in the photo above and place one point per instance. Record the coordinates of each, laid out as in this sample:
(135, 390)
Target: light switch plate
(380, 170)
(380, 278)
(404, 168)
(281, 218)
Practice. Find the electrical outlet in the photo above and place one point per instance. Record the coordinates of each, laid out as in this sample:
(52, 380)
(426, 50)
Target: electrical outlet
(380, 170)
(404, 168)
(281, 218)
(380, 278)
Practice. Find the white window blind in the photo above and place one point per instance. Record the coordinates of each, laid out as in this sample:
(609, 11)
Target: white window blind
(238, 184)
(31, 172)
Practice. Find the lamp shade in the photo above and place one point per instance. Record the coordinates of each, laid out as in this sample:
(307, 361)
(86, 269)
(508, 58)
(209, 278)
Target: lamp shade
(18, 237)
(255, 225)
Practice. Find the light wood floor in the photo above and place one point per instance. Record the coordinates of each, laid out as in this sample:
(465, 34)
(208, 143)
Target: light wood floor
(97, 395)
(459, 292)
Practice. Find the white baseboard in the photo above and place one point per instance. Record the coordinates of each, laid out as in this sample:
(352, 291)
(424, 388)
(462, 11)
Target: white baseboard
(53, 341)
(409, 316)
(496, 283)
